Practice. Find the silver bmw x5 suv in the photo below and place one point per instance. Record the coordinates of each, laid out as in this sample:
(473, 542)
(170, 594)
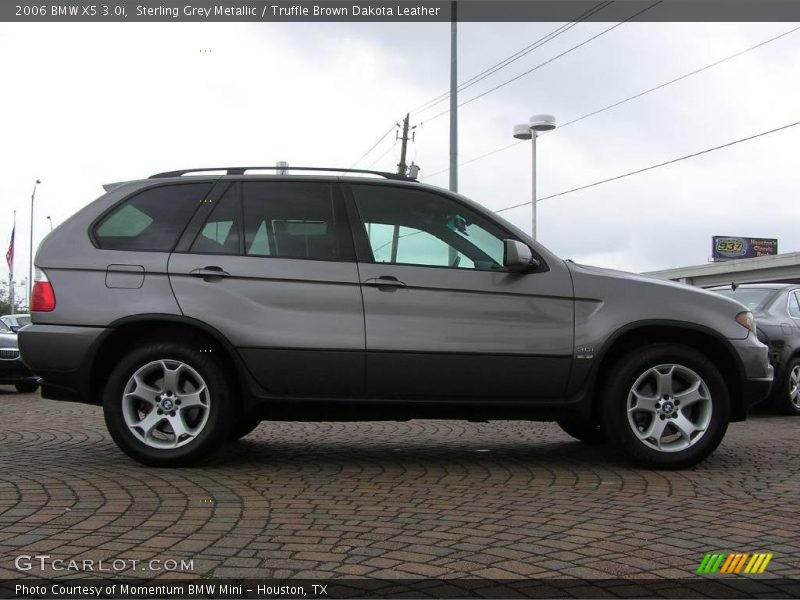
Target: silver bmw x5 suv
(194, 304)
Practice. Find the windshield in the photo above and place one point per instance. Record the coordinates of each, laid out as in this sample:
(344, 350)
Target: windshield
(22, 321)
(752, 298)
(4, 328)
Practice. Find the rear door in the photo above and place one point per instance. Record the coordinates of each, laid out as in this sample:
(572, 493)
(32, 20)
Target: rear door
(443, 317)
(270, 264)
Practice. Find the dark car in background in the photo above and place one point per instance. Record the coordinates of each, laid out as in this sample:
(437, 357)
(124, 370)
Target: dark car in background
(12, 370)
(776, 307)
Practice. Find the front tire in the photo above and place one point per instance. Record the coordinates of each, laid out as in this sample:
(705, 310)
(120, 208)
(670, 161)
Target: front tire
(27, 387)
(167, 405)
(666, 406)
(786, 394)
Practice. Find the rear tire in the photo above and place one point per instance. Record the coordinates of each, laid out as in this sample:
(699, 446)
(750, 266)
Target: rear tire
(167, 405)
(786, 393)
(588, 433)
(244, 427)
(27, 387)
(665, 406)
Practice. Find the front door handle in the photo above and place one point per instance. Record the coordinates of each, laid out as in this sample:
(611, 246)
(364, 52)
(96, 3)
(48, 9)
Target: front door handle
(385, 281)
(210, 273)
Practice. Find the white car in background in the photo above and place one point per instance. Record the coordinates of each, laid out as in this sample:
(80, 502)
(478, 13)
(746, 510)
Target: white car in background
(15, 322)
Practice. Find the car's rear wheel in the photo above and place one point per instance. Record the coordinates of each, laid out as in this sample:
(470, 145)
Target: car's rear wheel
(244, 427)
(167, 405)
(588, 433)
(27, 387)
(666, 406)
(786, 394)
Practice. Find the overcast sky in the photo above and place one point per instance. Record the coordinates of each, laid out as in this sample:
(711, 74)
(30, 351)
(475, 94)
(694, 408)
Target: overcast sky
(87, 104)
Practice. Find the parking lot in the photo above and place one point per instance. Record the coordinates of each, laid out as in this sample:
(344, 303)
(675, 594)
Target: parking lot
(422, 499)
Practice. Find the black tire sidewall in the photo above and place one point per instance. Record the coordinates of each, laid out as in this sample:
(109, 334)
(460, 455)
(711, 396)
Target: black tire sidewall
(221, 410)
(615, 397)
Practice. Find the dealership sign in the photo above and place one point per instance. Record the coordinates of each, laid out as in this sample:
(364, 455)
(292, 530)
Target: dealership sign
(727, 248)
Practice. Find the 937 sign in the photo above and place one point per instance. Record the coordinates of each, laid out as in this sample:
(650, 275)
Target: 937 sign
(728, 248)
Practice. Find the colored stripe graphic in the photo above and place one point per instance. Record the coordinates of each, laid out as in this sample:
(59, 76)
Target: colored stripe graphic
(722, 562)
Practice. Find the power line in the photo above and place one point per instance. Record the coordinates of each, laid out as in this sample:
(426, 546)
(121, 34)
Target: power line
(377, 160)
(634, 97)
(547, 62)
(677, 79)
(650, 168)
(371, 148)
(516, 56)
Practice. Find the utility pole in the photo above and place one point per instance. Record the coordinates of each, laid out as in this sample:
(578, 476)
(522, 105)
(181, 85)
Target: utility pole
(402, 167)
(453, 98)
(11, 265)
(30, 248)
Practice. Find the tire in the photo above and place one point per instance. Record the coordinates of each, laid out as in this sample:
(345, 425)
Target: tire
(786, 393)
(244, 427)
(192, 391)
(27, 387)
(658, 432)
(588, 433)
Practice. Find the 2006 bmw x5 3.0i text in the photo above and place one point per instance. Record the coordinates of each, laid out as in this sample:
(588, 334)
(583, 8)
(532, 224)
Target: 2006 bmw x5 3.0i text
(193, 307)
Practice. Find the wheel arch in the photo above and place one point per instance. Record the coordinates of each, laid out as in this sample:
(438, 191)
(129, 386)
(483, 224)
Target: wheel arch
(704, 340)
(131, 330)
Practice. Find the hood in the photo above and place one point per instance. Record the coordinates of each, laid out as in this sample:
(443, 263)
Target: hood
(626, 298)
(8, 340)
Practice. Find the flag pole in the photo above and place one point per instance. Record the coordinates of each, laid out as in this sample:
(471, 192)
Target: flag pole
(11, 266)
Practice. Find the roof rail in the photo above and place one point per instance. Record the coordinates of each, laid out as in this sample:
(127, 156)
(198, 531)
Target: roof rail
(242, 170)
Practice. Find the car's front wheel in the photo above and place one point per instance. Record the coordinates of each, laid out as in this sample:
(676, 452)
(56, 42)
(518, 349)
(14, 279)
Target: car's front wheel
(168, 405)
(666, 406)
(786, 394)
(27, 387)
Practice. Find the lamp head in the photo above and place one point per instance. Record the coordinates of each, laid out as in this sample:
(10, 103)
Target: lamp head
(522, 132)
(542, 123)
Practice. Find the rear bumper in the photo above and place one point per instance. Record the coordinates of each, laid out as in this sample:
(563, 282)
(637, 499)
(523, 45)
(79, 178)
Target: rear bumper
(61, 355)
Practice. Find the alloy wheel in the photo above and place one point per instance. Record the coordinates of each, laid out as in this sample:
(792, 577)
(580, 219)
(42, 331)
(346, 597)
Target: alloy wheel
(166, 404)
(669, 408)
(794, 387)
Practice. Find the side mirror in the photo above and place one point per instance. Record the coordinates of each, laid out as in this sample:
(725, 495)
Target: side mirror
(517, 257)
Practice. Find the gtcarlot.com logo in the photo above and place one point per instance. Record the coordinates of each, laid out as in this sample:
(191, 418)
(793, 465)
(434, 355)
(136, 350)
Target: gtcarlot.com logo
(44, 562)
(737, 563)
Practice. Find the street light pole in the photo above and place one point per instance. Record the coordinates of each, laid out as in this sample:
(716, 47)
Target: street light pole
(530, 131)
(30, 247)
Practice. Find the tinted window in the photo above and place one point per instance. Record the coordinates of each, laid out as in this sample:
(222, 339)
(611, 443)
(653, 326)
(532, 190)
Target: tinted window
(22, 321)
(794, 305)
(222, 231)
(4, 328)
(419, 228)
(152, 219)
(291, 220)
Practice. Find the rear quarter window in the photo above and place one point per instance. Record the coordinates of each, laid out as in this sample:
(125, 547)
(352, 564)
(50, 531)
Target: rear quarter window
(151, 220)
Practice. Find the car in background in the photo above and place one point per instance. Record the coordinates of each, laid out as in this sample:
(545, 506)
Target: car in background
(12, 370)
(16, 322)
(776, 307)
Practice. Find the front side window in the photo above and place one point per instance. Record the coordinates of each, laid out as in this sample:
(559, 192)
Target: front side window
(151, 220)
(419, 228)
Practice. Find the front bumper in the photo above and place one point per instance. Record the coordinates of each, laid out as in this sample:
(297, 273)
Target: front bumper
(14, 371)
(757, 371)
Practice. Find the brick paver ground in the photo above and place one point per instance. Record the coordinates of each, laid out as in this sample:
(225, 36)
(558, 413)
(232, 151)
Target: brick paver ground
(388, 500)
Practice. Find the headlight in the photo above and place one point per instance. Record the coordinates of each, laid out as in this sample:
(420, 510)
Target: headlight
(746, 320)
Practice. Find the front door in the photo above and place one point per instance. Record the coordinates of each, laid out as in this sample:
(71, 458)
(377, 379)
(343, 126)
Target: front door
(271, 266)
(443, 317)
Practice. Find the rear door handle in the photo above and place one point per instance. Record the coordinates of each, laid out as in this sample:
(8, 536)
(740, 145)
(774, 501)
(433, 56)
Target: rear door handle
(385, 281)
(210, 273)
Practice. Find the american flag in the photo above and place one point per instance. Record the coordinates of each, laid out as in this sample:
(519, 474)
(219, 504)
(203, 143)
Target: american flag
(10, 253)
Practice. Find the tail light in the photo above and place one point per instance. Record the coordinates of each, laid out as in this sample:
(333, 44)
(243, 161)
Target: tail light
(43, 298)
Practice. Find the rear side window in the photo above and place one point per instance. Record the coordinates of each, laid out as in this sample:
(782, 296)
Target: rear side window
(794, 305)
(291, 220)
(151, 220)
